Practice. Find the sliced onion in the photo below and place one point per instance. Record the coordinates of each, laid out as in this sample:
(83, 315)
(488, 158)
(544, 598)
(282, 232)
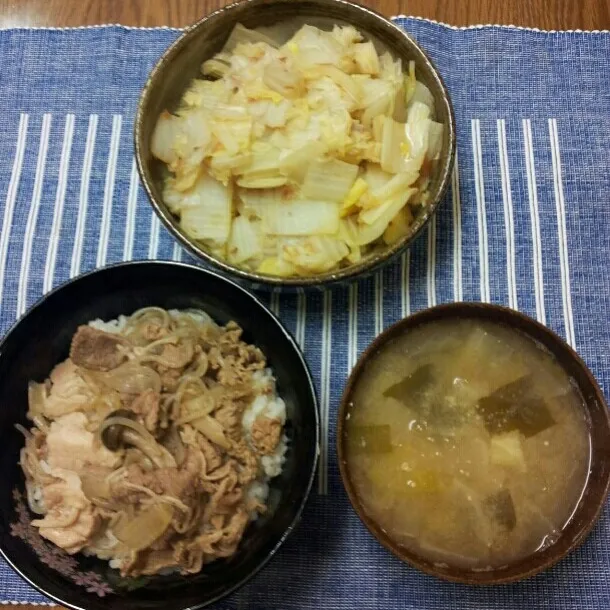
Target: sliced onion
(210, 428)
(95, 486)
(195, 408)
(130, 378)
(36, 396)
(141, 531)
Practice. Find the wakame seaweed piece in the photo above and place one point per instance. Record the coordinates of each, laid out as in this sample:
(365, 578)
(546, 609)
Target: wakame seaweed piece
(413, 385)
(500, 508)
(534, 417)
(370, 440)
(515, 406)
(446, 414)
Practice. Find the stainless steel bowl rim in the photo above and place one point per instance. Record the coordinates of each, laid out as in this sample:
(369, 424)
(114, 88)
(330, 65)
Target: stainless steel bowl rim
(349, 273)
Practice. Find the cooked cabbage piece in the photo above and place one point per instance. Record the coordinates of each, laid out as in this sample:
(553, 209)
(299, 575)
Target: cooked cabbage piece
(245, 241)
(301, 217)
(329, 180)
(209, 216)
(314, 254)
(322, 142)
(506, 450)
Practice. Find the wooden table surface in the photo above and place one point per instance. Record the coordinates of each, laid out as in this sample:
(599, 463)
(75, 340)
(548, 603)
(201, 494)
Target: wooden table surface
(544, 14)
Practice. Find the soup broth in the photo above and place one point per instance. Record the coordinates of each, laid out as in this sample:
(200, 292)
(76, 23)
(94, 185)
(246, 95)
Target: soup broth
(467, 443)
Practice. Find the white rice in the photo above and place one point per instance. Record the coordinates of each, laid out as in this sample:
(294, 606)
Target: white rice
(35, 498)
(116, 326)
(269, 404)
(257, 491)
(112, 326)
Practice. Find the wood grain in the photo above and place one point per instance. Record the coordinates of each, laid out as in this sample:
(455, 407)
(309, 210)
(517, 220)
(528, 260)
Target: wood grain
(544, 14)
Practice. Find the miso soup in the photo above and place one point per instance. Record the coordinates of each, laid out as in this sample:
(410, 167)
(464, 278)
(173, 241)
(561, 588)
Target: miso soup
(467, 443)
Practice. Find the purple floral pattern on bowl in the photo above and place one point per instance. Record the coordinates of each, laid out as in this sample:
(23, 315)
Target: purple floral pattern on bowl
(52, 555)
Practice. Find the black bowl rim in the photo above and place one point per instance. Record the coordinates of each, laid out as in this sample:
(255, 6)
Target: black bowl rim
(476, 310)
(313, 394)
(347, 274)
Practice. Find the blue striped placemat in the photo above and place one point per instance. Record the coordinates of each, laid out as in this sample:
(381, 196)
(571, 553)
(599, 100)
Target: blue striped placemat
(526, 224)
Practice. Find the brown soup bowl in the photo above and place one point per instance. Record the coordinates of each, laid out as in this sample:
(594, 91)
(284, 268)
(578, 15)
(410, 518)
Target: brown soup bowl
(595, 492)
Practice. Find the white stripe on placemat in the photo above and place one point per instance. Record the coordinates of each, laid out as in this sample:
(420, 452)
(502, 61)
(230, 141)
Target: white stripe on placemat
(563, 236)
(7, 602)
(378, 302)
(79, 235)
(177, 253)
(457, 232)
(113, 153)
(325, 389)
(352, 327)
(405, 280)
(431, 266)
(132, 204)
(11, 196)
(153, 244)
(274, 303)
(301, 318)
(58, 212)
(508, 216)
(30, 226)
(481, 211)
(532, 190)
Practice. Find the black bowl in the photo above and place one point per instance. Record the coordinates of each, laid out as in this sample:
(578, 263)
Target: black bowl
(41, 339)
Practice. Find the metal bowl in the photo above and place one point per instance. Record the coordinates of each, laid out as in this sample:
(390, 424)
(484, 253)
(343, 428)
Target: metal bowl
(182, 61)
(596, 489)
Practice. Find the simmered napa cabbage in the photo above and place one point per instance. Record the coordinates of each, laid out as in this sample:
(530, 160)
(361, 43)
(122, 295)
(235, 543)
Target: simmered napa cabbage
(294, 159)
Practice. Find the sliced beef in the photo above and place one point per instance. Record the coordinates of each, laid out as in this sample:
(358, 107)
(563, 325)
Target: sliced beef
(152, 331)
(169, 378)
(177, 356)
(248, 463)
(97, 350)
(147, 405)
(181, 483)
